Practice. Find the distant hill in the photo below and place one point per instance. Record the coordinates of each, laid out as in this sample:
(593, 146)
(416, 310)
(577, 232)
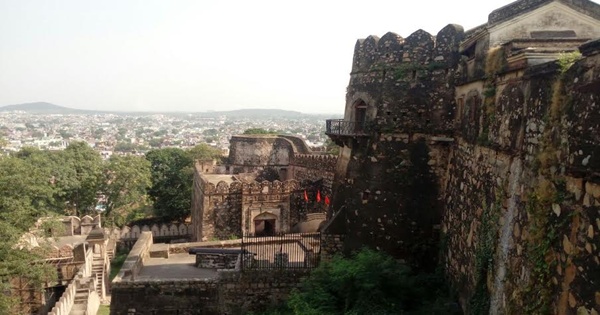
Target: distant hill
(41, 108)
(48, 108)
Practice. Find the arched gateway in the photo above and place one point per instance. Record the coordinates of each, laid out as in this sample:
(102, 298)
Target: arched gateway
(265, 224)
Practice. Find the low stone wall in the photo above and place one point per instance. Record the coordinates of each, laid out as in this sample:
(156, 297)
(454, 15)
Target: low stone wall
(230, 292)
(67, 300)
(185, 247)
(216, 261)
(233, 292)
(135, 260)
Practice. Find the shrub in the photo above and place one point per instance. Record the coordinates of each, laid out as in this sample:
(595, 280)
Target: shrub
(369, 282)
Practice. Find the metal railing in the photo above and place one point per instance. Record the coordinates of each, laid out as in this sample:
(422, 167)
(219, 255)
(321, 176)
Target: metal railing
(282, 251)
(345, 127)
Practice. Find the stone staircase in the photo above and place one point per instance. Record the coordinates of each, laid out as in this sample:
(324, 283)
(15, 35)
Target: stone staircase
(98, 273)
(80, 303)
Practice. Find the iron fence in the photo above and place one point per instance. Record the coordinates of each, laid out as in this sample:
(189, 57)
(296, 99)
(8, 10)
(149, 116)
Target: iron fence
(344, 127)
(281, 251)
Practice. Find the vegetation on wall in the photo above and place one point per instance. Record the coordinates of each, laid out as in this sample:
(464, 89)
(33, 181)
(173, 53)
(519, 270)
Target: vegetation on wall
(495, 64)
(369, 282)
(566, 60)
(550, 191)
(484, 255)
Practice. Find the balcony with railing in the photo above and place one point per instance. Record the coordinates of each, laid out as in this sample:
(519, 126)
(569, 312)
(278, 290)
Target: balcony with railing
(340, 127)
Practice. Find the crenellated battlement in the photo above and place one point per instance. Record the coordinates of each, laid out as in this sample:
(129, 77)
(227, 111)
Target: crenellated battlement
(182, 230)
(420, 48)
(315, 161)
(251, 188)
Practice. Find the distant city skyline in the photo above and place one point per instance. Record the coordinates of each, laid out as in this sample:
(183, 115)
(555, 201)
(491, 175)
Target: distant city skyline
(201, 55)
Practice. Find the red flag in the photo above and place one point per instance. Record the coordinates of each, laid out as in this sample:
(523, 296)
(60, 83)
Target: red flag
(318, 196)
(305, 196)
(327, 200)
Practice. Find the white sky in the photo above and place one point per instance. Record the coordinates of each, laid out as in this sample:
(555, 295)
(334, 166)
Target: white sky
(201, 55)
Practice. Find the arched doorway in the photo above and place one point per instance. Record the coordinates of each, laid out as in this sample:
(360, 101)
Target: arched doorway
(265, 224)
(360, 115)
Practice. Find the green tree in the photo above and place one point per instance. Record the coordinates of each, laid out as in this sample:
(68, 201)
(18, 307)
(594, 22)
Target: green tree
(156, 142)
(125, 147)
(204, 152)
(126, 181)
(79, 177)
(257, 131)
(172, 174)
(370, 282)
(25, 195)
(65, 134)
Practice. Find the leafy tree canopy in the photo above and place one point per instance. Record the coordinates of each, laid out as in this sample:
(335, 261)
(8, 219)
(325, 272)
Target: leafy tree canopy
(204, 152)
(126, 180)
(25, 196)
(171, 171)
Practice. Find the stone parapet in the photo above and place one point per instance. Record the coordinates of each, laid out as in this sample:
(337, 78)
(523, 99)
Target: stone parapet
(231, 292)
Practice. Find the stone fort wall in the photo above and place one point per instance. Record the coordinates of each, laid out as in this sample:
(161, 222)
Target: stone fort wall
(507, 187)
(524, 194)
(230, 292)
(249, 153)
(227, 207)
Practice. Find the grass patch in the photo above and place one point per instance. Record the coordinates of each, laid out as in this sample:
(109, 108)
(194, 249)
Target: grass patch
(104, 310)
(116, 264)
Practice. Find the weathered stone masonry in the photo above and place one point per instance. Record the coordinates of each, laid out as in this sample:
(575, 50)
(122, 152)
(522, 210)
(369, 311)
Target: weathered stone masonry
(231, 292)
(227, 203)
(481, 143)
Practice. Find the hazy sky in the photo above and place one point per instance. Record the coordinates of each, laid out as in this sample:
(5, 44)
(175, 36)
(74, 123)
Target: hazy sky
(201, 55)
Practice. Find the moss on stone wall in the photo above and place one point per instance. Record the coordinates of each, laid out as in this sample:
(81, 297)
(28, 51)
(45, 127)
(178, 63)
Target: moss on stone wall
(484, 255)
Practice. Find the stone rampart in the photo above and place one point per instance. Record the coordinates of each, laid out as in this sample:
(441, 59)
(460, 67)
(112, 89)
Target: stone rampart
(508, 179)
(403, 82)
(231, 292)
(173, 230)
(313, 167)
(236, 187)
(322, 162)
(81, 281)
(259, 151)
(135, 259)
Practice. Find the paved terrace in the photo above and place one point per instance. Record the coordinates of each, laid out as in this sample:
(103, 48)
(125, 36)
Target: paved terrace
(177, 266)
(216, 178)
(148, 261)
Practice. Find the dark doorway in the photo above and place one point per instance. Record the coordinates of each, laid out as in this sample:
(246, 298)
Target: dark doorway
(360, 116)
(264, 227)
